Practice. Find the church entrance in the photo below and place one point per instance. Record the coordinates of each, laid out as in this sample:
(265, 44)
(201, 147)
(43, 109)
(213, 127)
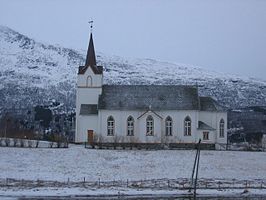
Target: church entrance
(90, 137)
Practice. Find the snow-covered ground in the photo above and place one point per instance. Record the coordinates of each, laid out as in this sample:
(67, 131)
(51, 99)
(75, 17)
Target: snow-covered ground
(70, 166)
(77, 162)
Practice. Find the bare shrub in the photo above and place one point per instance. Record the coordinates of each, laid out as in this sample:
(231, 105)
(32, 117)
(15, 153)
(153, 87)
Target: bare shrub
(22, 142)
(51, 144)
(37, 143)
(65, 142)
(133, 141)
(7, 142)
(59, 139)
(30, 143)
(15, 142)
(100, 141)
(115, 139)
(95, 138)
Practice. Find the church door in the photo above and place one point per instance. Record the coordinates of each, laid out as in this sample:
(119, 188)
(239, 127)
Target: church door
(90, 137)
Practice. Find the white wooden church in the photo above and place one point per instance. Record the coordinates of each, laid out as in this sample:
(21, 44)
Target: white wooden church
(143, 114)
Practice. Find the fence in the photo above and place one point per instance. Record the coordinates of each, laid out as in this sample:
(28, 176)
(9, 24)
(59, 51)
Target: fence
(168, 184)
(26, 143)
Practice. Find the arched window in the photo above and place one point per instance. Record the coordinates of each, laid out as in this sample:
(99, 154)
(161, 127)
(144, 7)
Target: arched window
(149, 126)
(130, 126)
(187, 126)
(168, 126)
(221, 128)
(110, 126)
(89, 81)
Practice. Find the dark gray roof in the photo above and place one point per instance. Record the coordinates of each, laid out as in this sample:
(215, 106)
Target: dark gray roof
(203, 126)
(88, 109)
(141, 97)
(209, 104)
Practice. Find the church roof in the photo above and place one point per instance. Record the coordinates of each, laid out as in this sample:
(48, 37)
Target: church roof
(144, 97)
(91, 60)
(88, 109)
(203, 126)
(209, 104)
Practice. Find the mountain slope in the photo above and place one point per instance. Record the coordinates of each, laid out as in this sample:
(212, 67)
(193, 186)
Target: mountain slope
(34, 73)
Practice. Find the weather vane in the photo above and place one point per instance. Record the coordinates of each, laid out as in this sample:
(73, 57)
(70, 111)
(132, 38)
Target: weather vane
(91, 24)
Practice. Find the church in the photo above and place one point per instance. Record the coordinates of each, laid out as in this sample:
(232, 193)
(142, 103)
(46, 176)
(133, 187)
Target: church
(174, 115)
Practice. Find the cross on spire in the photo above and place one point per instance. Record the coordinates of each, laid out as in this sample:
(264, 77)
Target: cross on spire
(91, 24)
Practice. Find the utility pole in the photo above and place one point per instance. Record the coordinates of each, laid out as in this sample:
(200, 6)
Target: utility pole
(195, 171)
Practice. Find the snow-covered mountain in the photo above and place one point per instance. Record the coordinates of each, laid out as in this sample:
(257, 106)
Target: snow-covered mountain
(34, 73)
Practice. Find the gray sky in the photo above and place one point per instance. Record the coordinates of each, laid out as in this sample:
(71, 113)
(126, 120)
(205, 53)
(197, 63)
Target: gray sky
(222, 35)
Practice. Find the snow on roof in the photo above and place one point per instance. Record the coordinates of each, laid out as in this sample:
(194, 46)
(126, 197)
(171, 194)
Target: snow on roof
(158, 97)
(209, 104)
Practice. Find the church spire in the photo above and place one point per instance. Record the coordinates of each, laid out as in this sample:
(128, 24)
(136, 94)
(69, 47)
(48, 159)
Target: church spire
(90, 59)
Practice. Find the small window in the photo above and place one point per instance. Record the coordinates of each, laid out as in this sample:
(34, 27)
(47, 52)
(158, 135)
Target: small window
(221, 128)
(89, 81)
(206, 135)
(130, 126)
(149, 126)
(187, 126)
(168, 126)
(110, 126)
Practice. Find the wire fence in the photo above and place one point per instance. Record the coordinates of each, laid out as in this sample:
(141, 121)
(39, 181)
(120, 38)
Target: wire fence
(180, 184)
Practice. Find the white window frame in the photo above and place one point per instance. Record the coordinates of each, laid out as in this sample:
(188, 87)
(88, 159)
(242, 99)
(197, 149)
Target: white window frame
(130, 126)
(149, 126)
(205, 135)
(110, 126)
(187, 126)
(221, 128)
(168, 126)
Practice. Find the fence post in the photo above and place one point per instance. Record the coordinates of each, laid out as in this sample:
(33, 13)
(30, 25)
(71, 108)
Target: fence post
(99, 182)
(168, 183)
(84, 180)
(127, 182)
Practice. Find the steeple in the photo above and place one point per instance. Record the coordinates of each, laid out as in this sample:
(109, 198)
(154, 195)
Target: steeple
(90, 59)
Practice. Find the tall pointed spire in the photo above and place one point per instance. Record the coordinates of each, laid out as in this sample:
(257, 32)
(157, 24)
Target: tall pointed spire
(91, 58)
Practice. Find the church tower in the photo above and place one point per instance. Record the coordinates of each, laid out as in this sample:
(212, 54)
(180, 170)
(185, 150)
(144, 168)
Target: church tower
(89, 87)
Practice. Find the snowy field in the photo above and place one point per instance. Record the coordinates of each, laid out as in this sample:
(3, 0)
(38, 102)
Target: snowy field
(77, 162)
(52, 172)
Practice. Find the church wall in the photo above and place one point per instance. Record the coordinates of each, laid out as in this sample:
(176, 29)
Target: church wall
(120, 127)
(89, 79)
(213, 119)
(140, 126)
(88, 96)
(212, 136)
(178, 117)
(88, 91)
(85, 123)
(220, 116)
(141, 123)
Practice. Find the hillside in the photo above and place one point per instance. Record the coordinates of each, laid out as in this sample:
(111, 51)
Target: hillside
(34, 73)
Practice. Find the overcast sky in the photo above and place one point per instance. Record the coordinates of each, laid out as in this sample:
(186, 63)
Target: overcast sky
(222, 35)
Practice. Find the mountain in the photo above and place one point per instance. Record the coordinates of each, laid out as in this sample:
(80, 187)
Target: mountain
(33, 73)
